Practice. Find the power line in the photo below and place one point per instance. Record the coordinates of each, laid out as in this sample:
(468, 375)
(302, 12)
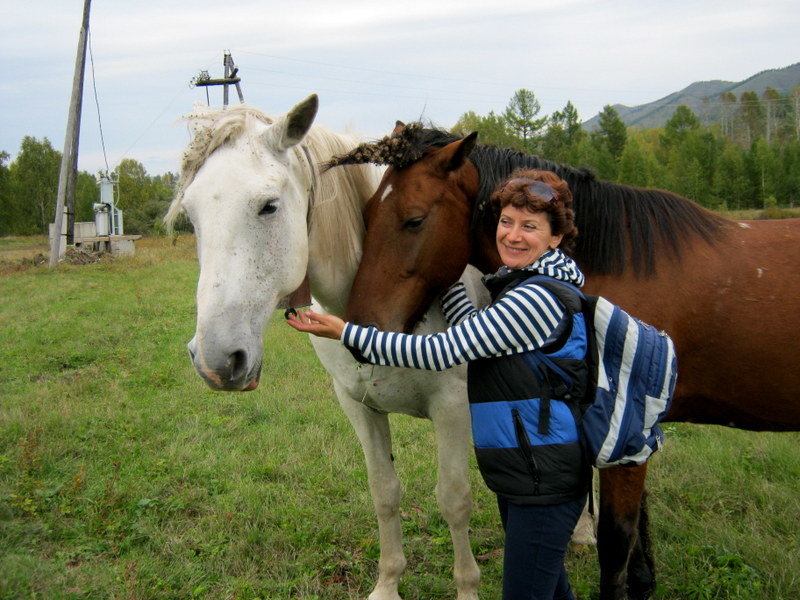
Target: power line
(97, 102)
(382, 84)
(709, 102)
(423, 75)
(157, 118)
(369, 70)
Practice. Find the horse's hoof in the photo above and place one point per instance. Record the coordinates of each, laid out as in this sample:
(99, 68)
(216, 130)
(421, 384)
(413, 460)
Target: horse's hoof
(582, 548)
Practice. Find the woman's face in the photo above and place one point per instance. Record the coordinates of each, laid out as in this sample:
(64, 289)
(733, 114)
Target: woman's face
(523, 236)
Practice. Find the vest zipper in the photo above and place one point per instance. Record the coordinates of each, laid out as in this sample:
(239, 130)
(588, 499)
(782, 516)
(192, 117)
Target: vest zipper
(526, 448)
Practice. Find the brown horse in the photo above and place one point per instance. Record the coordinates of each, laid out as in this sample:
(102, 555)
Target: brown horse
(726, 291)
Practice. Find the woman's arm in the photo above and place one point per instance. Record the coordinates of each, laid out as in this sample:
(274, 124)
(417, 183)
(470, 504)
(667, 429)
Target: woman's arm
(329, 326)
(521, 321)
(456, 305)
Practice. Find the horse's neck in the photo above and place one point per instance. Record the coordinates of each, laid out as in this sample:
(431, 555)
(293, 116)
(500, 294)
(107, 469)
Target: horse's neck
(483, 248)
(336, 236)
(330, 282)
(484, 255)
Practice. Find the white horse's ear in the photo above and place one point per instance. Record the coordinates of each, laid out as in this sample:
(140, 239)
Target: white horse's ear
(290, 129)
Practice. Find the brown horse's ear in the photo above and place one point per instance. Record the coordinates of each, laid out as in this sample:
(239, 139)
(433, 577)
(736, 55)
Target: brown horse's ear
(398, 127)
(453, 156)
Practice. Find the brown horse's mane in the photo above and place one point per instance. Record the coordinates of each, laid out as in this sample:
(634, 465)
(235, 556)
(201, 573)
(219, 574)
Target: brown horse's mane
(609, 216)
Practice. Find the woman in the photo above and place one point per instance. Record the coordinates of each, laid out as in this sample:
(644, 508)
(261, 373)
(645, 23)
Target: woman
(523, 413)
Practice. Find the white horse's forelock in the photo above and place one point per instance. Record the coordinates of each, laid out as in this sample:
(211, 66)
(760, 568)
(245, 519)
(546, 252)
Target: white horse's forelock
(211, 129)
(336, 221)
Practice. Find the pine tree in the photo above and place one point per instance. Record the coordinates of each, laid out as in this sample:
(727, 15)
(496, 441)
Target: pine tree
(682, 121)
(751, 117)
(728, 101)
(634, 165)
(6, 212)
(520, 117)
(491, 129)
(772, 112)
(613, 130)
(564, 132)
(730, 186)
(795, 101)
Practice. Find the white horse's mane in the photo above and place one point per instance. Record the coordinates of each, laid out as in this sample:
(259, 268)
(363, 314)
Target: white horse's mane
(339, 194)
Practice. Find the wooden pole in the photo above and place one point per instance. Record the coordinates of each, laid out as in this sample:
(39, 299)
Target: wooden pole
(69, 160)
(226, 63)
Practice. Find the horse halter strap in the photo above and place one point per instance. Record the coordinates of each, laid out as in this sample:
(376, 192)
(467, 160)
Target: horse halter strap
(302, 295)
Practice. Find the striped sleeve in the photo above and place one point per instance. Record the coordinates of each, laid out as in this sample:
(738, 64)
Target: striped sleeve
(456, 305)
(521, 321)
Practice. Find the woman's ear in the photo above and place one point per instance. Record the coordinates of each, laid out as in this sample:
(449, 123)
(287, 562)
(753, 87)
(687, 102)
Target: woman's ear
(555, 241)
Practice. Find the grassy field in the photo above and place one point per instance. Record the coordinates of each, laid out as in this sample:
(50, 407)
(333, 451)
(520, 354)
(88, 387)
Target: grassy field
(122, 476)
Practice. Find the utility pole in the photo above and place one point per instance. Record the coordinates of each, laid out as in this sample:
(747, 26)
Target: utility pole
(230, 78)
(69, 160)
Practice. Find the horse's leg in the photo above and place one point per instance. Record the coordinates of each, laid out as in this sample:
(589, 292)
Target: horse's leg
(584, 533)
(621, 492)
(641, 569)
(372, 429)
(454, 440)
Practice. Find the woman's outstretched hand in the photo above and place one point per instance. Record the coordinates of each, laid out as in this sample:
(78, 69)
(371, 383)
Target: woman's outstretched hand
(328, 326)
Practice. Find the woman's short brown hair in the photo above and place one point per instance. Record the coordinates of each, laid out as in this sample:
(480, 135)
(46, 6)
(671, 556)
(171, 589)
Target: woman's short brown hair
(520, 190)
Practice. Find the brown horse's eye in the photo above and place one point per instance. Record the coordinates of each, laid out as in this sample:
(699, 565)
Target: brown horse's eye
(413, 223)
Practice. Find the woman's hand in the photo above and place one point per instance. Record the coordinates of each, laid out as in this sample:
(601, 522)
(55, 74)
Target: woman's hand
(328, 326)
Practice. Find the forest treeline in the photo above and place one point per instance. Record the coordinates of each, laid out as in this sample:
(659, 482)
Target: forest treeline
(29, 185)
(749, 159)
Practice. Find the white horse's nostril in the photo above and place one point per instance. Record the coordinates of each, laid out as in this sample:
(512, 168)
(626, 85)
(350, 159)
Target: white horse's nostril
(237, 362)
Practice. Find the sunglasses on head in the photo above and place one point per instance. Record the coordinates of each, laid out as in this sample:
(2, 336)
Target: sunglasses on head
(543, 191)
(539, 189)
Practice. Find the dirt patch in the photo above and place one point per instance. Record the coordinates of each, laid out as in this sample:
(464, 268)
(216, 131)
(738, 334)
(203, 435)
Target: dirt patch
(72, 256)
(8, 267)
(83, 256)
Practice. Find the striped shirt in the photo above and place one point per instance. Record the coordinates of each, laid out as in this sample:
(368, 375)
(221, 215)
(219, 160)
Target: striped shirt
(521, 321)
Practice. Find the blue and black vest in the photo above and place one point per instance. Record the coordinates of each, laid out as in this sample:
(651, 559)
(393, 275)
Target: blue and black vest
(525, 417)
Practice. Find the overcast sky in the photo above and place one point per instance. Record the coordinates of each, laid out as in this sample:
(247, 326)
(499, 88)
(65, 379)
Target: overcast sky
(370, 62)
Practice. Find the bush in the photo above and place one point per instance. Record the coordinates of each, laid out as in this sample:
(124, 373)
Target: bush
(773, 211)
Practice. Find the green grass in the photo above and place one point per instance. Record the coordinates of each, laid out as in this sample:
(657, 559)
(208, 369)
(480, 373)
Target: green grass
(12, 242)
(123, 476)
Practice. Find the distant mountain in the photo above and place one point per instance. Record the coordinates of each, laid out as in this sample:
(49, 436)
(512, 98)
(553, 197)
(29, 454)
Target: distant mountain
(703, 98)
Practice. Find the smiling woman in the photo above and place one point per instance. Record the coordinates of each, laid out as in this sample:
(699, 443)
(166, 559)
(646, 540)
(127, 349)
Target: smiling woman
(523, 236)
(534, 217)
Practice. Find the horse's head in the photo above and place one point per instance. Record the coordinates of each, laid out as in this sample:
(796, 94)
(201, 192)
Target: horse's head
(411, 252)
(245, 186)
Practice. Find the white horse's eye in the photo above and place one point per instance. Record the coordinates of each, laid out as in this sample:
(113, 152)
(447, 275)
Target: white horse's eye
(269, 207)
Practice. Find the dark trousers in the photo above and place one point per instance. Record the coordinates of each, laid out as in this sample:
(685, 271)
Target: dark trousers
(536, 542)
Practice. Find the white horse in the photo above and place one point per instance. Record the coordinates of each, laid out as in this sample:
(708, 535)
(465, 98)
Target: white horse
(265, 217)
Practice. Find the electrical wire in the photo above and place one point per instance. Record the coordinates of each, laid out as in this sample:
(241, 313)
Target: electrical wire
(144, 131)
(97, 101)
